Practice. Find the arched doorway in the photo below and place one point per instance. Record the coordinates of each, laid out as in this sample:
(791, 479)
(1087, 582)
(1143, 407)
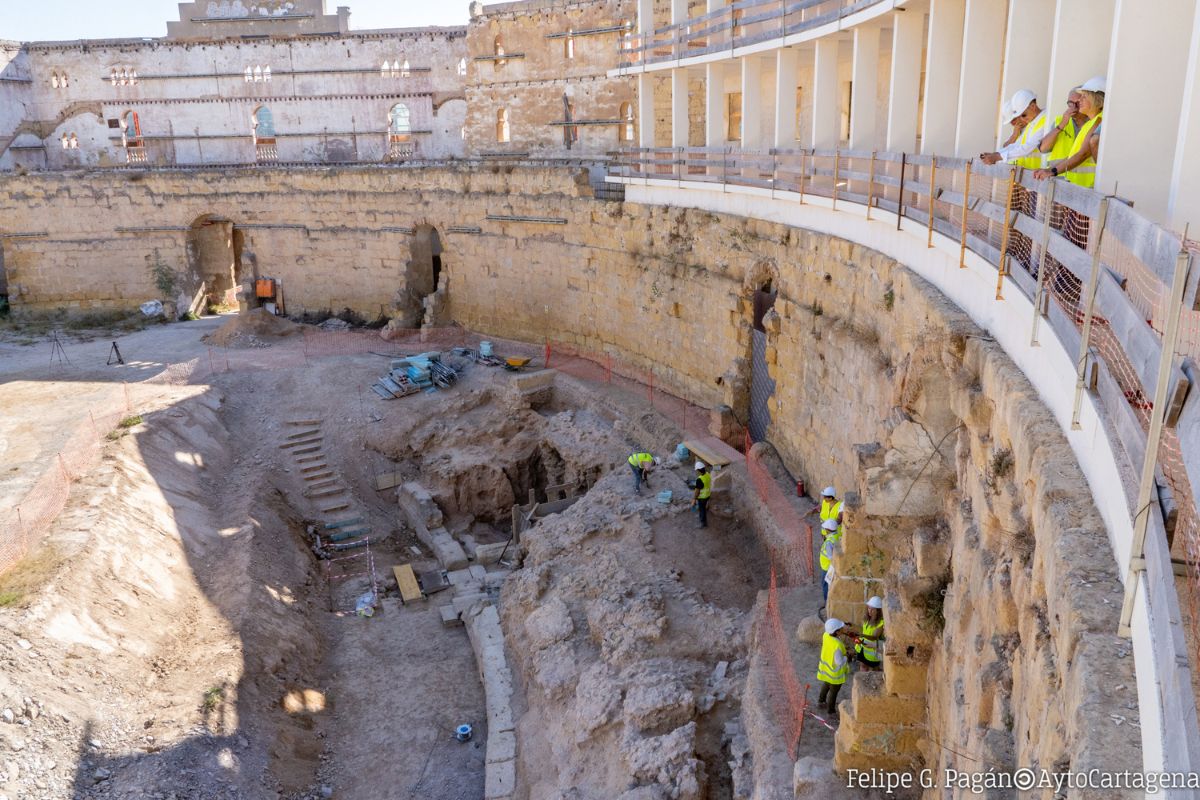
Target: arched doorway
(424, 283)
(214, 252)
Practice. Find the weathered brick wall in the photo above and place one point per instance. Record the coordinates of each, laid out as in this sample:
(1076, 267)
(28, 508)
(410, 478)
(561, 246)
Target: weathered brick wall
(862, 351)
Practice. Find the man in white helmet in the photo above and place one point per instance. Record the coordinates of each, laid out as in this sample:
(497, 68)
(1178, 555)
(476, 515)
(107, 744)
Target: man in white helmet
(831, 534)
(642, 464)
(834, 667)
(830, 506)
(702, 491)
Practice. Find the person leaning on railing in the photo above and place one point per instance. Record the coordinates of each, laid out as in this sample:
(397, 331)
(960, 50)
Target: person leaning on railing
(1024, 114)
(1079, 167)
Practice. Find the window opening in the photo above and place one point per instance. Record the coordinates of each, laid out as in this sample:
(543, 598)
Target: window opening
(733, 116)
(462, 66)
(569, 44)
(502, 125)
(627, 131)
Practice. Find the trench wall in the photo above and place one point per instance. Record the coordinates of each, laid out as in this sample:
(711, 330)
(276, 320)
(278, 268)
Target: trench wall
(863, 352)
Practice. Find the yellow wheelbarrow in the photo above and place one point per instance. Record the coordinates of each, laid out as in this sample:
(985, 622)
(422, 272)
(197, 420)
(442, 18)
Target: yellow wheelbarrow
(516, 364)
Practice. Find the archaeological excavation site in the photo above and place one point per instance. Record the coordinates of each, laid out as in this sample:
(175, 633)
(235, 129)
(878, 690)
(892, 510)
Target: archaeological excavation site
(601, 400)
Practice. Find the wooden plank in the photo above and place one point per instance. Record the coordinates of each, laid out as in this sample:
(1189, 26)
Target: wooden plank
(301, 443)
(335, 507)
(303, 434)
(407, 581)
(314, 467)
(304, 450)
(304, 422)
(317, 476)
(712, 451)
(309, 459)
(386, 480)
(326, 493)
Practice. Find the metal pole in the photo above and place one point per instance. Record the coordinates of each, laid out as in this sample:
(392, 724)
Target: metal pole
(1141, 519)
(962, 236)
(836, 174)
(1093, 282)
(1041, 279)
(932, 178)
(1003, 267)
(900, 199)
(870, 186)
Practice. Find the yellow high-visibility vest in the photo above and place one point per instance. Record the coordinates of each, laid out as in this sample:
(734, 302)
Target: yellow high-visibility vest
(641, 459)
(834, 667)
(1065, 140)
(831, 539)
(705, 486)
(1085, 174)
(1034, 129)
(868, 645)
(830, 510)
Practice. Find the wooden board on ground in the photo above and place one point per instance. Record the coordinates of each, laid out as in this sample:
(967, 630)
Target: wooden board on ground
(707, 453)
(406, 579)
(386, 480)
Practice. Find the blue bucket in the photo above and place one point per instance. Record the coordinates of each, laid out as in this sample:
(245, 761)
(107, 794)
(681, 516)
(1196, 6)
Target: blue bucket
(463, 733)
(485, 348)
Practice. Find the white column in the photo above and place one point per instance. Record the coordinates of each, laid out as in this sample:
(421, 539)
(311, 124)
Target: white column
(714, 105)
(1082, 34)
(825, 94)
(679, 108)
(679, 11)
(865, 90)
(645, 12)
(1147, 70)
(1027, 52)
(943, 63)
(645, 88)
(904, 92)
(979, 78)
(752, 133)
(1184, 202)
(787, 61)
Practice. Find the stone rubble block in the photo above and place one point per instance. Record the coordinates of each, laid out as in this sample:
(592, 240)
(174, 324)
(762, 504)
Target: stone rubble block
(500, 779)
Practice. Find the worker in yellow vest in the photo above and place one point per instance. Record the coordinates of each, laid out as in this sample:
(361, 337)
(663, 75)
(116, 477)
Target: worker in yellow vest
(1079, 167)
(867, 646)
(830, 507)
(834, 667)
(702, 491)
(831, 534)
(1058, 141)
(1023, 111)
(642, 464)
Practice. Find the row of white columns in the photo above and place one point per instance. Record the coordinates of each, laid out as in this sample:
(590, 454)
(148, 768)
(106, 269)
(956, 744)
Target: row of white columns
(975, 55)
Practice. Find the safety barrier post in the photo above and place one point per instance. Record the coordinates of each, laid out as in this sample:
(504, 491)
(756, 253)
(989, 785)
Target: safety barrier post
(547, 356)
(837, 160)
(1003, 267)
(962, 236)
(608, 368)
(802, 156)
(1041, 276)
(871, 186)
(650, 388)
(932, 179)
(1089, 311)
(900, 197)
(1137, 561)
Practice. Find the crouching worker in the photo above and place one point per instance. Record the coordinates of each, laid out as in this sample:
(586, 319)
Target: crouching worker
(834, 667)
(867, 648)
(642, 464)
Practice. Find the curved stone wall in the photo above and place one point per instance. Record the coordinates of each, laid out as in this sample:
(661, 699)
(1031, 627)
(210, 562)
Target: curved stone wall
(964, 480)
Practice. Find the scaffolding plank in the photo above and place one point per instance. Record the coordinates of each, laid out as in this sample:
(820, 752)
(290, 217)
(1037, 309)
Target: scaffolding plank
(407, 581)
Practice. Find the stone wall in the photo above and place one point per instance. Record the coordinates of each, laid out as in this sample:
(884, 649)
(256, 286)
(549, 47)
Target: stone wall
(974, 519)
(543, 73)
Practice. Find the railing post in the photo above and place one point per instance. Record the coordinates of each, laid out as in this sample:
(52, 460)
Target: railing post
(802, 155)
(1041, 277)
(932, 185)
(962, 236)
(870, 186)
(836, 174)
(1002, 267)
(725, 166)
(1145, 503)
(1089, 310)
(900, 197)
(774, 170)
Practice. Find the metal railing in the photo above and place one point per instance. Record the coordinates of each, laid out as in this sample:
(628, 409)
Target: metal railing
(736, 25)
(1116, 289)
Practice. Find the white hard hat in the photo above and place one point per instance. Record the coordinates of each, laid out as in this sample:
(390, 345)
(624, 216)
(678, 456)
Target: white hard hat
(875, 602)
(700, 465)
(1096, 84)
(657, 461)
(1019, 102)
(833, 625)
(829, 525)
(829, 492)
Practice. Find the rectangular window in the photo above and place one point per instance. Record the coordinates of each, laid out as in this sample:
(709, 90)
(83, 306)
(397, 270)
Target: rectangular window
(733, 117)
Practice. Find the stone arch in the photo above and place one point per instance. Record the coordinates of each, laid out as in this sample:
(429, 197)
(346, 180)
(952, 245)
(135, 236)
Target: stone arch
(214, 261)
(423, 297)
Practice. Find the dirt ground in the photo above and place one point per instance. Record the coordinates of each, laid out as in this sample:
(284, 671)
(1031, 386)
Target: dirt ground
(173, 636)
